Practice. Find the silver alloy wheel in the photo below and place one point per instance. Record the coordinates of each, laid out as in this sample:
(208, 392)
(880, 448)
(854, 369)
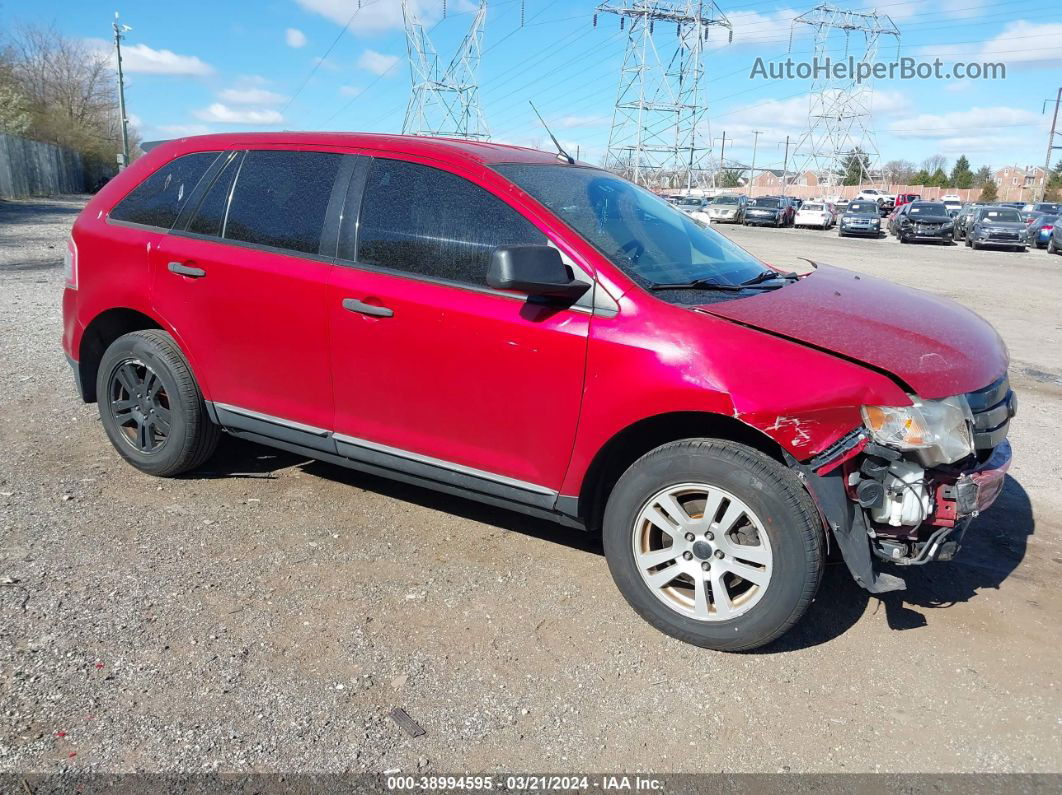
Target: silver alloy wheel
(702, 552)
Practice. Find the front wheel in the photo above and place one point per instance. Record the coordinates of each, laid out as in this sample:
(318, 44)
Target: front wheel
(714, 543)
(1051, 246)
(151, 407)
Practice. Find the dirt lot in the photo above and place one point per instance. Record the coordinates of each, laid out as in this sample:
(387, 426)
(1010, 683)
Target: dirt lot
(268, 613)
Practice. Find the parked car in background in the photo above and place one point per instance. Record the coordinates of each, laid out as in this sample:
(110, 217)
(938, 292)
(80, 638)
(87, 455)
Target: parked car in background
(925, 221)
(875, 195)
(1039, 232)
(861, 218)
(906, 198)
(797, 203)
(1050, 208)
(996, 227)
(1054, 242)
(815, 214)
(769, 211)
(961, 220)
(952, 202)
(691, 204)
(728, 209)
(894, 219)
(548, 338)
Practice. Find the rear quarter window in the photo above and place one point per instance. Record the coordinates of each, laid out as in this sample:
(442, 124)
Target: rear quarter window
(158, 199)
(281, 198)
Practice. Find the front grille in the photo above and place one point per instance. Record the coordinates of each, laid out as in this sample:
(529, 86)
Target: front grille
(927, 227)
(1002, 235)
(992, 409)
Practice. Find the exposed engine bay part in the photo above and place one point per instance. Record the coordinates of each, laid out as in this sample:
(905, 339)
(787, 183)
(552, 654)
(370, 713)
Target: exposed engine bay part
(903, 497)
(848, 524)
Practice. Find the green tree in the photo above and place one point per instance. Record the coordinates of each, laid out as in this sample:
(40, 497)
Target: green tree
(729, 178)
(983, 176)
(854, 166)
(938, 179)
(920, 177)
(989, 192)
(961, 176)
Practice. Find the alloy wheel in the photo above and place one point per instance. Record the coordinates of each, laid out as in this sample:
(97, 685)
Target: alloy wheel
(140, 405)
(702, 552)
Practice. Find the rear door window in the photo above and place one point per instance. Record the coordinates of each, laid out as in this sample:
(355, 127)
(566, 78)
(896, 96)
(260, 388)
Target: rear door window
(158, 199)
(280, 199)
(433, 223)
(210, 216)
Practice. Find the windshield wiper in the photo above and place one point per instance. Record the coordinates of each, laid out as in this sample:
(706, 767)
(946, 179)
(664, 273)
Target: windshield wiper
(707, 284)
(768, 276)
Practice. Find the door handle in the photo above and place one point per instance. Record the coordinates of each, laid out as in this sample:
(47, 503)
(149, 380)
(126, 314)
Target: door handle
(186, 270)
(354, 305)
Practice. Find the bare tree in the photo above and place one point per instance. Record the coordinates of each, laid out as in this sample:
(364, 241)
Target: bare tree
(899, 171)
(68, 88)
(935, 163)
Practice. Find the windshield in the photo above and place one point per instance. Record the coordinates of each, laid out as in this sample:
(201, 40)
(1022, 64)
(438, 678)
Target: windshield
(1007, 216)
(639, 233)
(764, 202)
(811, 207)
(725, 200)
(863, 208)
(689, 200)
(927, 208)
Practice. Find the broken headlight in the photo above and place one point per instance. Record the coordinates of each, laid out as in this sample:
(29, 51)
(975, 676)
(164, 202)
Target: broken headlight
(938, 429)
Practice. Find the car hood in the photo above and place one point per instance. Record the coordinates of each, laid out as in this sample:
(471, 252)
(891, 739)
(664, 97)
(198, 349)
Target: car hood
(935, 346)
(929, 219)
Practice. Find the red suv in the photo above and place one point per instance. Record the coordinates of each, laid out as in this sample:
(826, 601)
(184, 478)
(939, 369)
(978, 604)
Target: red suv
(510, 326)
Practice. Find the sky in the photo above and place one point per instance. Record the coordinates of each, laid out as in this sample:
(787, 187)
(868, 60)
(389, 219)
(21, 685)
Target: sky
(196, 67)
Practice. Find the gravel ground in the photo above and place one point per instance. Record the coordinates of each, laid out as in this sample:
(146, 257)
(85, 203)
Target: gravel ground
(268, 613)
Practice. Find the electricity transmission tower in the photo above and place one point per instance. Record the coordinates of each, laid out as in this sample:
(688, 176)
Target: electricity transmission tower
(658, 136)
(839, 123)
(444, 101)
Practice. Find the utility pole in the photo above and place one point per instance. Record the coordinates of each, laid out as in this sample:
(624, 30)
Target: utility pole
(1051, 145)
(752, 171)
(722, 155)
(785, 164)
(118, 31)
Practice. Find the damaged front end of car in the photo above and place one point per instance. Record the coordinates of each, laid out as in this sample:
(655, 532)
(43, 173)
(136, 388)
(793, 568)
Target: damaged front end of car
(903, 487)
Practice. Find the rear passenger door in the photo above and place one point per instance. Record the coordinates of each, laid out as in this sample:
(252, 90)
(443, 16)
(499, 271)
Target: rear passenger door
(435, 373)
(243, 279)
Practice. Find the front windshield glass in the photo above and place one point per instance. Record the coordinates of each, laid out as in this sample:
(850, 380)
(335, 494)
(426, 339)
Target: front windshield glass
(927, 208)
(863, 208)
(689, 201)
(765, 202)
(725, 200)
(1002, 216)
(644, 236)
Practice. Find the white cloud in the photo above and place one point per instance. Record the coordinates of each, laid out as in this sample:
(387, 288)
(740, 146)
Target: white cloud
(223, 114)
(295, 38)
(142, 59)
(134, 120)
(251, 96)
(350, 91)
(1020, 43)
(958, 123)
(377, 62)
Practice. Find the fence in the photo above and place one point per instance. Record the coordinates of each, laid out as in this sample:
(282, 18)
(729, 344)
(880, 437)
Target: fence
(33, 168)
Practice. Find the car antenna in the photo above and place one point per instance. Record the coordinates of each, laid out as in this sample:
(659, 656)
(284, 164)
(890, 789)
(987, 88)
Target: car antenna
(562, 155)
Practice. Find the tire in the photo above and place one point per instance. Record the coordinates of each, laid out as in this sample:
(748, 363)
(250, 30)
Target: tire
(1051, 245)
(969, 242)
(171, 407)
(765, 499)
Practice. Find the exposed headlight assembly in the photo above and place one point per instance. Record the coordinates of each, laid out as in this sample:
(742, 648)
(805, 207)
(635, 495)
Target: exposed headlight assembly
(938, 429)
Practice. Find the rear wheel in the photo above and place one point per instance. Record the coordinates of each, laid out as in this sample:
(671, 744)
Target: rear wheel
(1051, 245)
(714, 543)
(151, 407)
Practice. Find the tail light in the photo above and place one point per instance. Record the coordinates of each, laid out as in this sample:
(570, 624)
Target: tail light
(1047, 228)
(70, 264)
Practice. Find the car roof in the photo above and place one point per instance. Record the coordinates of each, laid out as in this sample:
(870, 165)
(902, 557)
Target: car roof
(479, 152)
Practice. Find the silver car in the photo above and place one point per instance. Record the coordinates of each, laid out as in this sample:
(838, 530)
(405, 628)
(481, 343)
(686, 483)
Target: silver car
(727, 209)
(996, 227)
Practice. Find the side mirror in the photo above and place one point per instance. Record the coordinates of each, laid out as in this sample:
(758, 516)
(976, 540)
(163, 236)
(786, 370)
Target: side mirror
(535, 270)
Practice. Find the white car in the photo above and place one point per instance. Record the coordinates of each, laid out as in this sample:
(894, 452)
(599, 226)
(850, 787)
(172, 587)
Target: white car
(875, 195)
(950, 198)
(820, 215)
